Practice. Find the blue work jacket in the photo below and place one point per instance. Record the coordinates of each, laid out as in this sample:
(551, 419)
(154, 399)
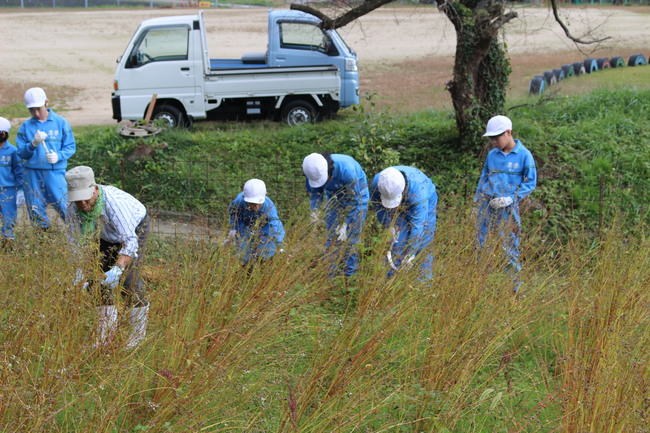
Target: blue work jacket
(415, 217)
(11, 167)
(510, 174)
(344, 196)
(60, 139)
(258, 233)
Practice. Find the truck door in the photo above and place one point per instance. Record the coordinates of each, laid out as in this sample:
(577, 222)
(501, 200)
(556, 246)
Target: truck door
(162, 61)
(304, 44)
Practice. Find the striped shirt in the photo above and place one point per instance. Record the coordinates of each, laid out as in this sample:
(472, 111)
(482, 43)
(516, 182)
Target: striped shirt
(121, 216)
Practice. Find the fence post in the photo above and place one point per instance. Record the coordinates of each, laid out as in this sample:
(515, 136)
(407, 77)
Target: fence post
(600, 206)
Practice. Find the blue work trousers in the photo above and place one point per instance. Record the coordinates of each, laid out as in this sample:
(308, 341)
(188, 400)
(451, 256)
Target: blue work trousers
(43, 187)
(8, 210)
(505, 223)
(343, 255)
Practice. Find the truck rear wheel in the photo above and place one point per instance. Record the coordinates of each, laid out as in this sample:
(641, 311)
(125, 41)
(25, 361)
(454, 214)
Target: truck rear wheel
(298, 113)
(173, 117)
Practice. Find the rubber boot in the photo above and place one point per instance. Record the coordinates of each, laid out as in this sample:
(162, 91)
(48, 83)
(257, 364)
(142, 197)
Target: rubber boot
(107, 325)
(138, 322)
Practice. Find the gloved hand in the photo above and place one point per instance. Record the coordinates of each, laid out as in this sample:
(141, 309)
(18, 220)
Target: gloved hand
(39, 137)
(230, 237)
(342, 232)
(112, 277)
(395, 234)
(499, 202)
(78, 278)
(389, 256)
(408, 261)
(20, 198)
(314, 217)
(52, 157)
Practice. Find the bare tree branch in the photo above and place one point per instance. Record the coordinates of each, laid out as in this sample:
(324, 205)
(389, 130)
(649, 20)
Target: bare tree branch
(568, 34)
(346, 18)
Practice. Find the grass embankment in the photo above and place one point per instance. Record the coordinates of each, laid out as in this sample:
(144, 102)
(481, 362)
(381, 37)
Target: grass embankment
(591, 153)
(290, 349)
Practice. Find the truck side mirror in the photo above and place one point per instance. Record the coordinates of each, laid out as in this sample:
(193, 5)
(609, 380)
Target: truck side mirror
(330, 48)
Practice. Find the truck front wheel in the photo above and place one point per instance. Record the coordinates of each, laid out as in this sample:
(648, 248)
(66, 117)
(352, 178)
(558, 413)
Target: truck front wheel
(298, 113)
(172, 116)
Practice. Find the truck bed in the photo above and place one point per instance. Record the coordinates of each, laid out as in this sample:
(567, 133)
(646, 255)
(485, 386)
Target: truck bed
(248, 60)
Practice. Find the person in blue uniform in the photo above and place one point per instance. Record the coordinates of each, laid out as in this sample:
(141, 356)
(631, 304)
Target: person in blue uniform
(11, 181)
(405, 200)
(255, 225)
(508, 176)
(45, 142)
(338, 189)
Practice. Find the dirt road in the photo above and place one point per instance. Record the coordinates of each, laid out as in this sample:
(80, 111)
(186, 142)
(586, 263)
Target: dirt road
(402, 51)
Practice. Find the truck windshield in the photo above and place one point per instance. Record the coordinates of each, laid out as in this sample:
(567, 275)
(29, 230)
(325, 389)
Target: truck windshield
(160, 44)
(302, 36)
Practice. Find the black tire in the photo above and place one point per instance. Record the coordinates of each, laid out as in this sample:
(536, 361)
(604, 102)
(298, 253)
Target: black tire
(636, 60)
(568, 71)
(173, 117)
(616, 62)
(299, 112)
(578, 68)
(559, 74)
(550, 78)
(590, 65)
(537, 85)
(603, 63)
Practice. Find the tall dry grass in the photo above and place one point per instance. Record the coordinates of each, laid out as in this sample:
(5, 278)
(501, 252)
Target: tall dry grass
(287, 348)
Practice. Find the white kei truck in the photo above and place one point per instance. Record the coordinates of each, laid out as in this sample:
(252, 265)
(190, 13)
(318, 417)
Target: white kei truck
(306, 73)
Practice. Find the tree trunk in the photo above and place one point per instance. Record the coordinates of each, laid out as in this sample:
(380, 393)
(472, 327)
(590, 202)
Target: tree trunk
(481, 68)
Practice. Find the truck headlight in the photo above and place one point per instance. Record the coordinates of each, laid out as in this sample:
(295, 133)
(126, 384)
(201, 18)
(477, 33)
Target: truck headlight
(350, 64)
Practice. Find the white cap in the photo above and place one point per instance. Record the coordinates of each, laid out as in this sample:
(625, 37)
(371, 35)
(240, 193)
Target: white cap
(315, 168)
(497, 126)
(254, 191)
(35, 97)
(5, 125)
(81, 183)
(391, 186)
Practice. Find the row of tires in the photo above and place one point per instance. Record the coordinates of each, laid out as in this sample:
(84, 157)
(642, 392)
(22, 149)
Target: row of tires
(540, 82)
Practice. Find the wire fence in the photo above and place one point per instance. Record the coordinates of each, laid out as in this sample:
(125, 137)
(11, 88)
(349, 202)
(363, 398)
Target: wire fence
(192, 196)
(217, 3)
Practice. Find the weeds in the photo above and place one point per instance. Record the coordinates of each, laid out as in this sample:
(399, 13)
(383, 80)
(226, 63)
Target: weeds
(287, 348)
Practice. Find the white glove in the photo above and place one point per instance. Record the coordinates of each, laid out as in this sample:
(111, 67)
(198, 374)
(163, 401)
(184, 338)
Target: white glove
(408, 261)
(78, 277)
(342, 231)
(112, 277)
(314, 217)
(395, 234)
(52, 157)
(389, 256)
(230, 237)
(39, 137)
(499, 202)
(20, 198)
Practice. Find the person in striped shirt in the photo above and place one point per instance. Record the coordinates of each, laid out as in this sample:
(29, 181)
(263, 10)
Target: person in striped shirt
(118, 223)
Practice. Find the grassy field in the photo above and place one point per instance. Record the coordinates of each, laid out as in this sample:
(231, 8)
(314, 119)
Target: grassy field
(288, 349)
